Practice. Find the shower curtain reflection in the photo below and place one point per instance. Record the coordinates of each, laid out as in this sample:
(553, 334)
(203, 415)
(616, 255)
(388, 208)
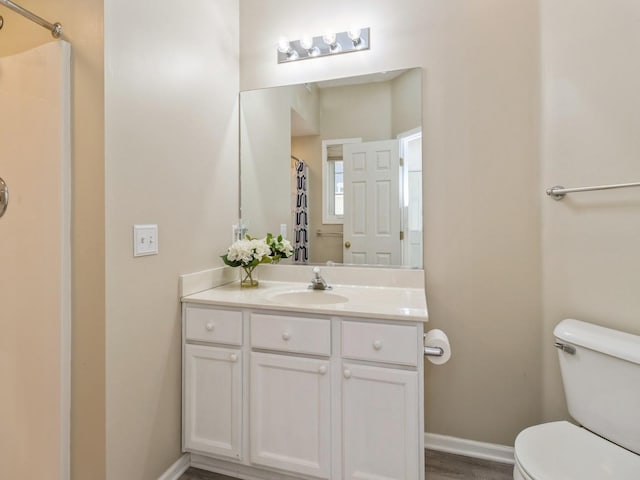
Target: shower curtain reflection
(300, 204)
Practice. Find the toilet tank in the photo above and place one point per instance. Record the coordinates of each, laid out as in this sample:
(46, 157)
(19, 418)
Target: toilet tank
(602, 380)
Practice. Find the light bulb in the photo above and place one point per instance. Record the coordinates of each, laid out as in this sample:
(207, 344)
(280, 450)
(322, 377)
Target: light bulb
(283, 45)
(354, 34)
(306, 42)
(329, 38)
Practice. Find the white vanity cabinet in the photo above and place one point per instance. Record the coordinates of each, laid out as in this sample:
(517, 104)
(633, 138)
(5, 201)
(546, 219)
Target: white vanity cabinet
(213, 400)
(379, 423)
(286, 395)
(212, 381)
(290, 426)
(290, 396)
(380, 401)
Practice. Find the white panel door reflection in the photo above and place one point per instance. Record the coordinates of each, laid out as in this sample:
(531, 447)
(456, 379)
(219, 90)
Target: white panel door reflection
(372, 203)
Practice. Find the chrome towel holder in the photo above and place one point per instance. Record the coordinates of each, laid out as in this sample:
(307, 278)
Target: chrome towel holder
(433, 351)
(558, 192)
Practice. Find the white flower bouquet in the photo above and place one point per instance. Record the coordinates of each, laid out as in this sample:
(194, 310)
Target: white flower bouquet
(250, 252)
(280, 247)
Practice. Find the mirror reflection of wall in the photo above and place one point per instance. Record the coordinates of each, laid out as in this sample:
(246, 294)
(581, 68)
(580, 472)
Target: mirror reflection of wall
(311, 122)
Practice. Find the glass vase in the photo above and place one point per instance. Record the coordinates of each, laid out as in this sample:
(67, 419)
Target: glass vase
(248, 277)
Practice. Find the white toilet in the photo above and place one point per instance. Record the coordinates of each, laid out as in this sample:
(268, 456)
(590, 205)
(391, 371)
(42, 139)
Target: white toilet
(601, 375)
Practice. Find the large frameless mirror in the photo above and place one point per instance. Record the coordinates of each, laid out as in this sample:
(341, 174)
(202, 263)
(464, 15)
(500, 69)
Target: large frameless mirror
(336, 166)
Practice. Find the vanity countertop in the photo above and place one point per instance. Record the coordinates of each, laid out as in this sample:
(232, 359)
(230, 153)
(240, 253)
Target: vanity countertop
(387, 303)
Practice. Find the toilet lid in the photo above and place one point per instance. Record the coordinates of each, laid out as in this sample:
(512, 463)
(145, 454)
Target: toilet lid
(561, 450)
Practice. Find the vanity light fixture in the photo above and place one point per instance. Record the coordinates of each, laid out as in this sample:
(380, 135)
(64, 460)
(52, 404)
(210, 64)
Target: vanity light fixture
(352, 40)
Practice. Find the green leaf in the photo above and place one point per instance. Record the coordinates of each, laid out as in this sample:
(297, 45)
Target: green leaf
(234, 263)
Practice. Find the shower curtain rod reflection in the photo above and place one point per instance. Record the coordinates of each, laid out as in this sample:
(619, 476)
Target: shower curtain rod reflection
(54, 28)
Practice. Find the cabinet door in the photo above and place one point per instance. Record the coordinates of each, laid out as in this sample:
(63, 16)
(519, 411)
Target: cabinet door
(213, 400)
(290, 413)
(380, 432)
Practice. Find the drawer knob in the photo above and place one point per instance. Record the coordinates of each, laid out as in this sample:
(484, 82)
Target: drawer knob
(347, 373)
(377, 345)
(322, 370)
(210, 326)
(233, 357)
(286, 336)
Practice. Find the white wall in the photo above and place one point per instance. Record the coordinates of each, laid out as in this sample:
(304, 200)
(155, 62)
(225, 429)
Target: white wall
(266, 160)
(591, 101)
(406, 110)
(481, 181)
(171, 91)
(356, 111)
(305, 103)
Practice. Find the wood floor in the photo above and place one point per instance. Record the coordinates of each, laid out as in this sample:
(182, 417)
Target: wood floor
(439, 466)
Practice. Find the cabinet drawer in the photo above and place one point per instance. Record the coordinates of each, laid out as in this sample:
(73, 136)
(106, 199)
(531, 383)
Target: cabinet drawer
(291, 334)
(213, 325)
(379, 342)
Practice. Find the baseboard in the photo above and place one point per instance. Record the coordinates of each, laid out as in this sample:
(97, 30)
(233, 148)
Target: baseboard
(469, 448)
(432, 441)
(178, 468)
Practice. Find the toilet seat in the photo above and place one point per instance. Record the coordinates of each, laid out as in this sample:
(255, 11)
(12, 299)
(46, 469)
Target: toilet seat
(560, 450)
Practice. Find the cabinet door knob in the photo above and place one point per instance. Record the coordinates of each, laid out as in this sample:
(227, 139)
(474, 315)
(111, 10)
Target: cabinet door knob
(233, 357)
(210, 326)
(322, 370)
(347, 244)
(347, 373)
(377, 345)
(286, 336)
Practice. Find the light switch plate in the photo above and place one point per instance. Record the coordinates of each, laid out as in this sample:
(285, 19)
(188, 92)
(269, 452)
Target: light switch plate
(145, 240)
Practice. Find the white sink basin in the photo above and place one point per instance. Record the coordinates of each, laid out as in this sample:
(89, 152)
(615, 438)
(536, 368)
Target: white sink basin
(308, 297)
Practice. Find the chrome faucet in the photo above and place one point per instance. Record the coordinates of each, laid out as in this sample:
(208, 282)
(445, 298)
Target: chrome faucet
(317, 282)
